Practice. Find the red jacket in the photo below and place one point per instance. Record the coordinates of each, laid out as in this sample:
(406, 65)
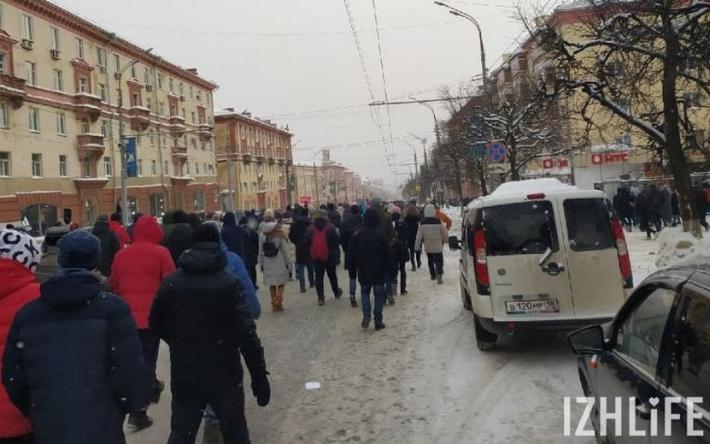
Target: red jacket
(444, 218)
(121, 232)
(18, 286)
(139, 269)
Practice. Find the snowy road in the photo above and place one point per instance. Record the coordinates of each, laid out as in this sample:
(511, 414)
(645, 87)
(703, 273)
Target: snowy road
(421, 380)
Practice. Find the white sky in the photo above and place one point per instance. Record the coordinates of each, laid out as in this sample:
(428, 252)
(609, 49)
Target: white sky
(282, 59)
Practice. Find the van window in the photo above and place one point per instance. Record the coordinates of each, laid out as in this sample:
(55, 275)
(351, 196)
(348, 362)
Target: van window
(588, 224)
(691, 375)
(520, 228)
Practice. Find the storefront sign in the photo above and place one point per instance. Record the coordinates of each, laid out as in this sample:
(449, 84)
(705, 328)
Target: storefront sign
(555, 163)
(305, 199)
(600, 158)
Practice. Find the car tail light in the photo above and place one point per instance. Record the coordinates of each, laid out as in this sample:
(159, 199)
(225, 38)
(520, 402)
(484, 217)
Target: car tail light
(480, 262)
(536, 196)
(623, 252)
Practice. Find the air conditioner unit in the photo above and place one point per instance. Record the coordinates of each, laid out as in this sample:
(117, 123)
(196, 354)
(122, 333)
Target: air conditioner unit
(149, 87)
(27, 43)
(55, 53)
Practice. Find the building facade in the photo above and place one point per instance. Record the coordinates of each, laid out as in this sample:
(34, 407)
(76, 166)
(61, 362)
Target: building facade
(305, 188)
(254, 161)
(62, 79)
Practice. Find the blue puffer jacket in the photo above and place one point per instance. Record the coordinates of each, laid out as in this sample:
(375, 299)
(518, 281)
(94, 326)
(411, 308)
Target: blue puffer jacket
(235, 265)
(73, 362)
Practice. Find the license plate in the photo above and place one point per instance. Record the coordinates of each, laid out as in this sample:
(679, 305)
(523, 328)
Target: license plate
(534, 306)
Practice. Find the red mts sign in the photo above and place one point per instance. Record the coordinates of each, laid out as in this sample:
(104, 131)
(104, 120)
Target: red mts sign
(600, 158)
(555, 163)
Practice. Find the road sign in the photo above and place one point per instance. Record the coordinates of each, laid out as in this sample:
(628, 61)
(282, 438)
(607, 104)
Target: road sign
(497, 151)
(129, 144)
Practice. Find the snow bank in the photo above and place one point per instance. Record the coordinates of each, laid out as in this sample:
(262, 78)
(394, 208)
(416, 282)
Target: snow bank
(531, 186)
(680, 248)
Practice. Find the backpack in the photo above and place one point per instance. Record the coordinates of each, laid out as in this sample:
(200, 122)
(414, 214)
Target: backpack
(319, 246)
(269, 248)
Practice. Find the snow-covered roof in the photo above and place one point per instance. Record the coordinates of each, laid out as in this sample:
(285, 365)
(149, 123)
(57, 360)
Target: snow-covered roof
(574, 5)
(545, 185)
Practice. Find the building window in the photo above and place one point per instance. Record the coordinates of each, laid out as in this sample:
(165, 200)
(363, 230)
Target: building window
(54, 42)
(101, 57)
(192, 92)
(149, 104)
(184, 114)
(31, 69)
(193, 143)
(61, 124)
(85, 167)
(28, 31)
(117, 62)
(2, 62)
(192, 114)
(85, 126)
(4, 117)
(135, 100)
(198, 200)
(153, 167)
(166, 168)
(133, 71)
(58, 80)
(211, 170)
(4, 164)
(159, 79)
(139, 162)
(83, 84)
(104, 129)
(171, 84)
(34, 119)
(79, 48)
(187, 165)
(204, 168)
(199, 96)
(108, 170)
(161, 108)
(102, 92)
(146, 76)
(62, 165)
(197, 169)
(181, 88)
(36, 165)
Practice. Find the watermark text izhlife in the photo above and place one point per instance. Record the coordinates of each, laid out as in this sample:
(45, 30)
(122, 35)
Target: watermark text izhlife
(610, 412)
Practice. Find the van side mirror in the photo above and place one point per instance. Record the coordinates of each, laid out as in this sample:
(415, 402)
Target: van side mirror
(454, 243)
(587, 340)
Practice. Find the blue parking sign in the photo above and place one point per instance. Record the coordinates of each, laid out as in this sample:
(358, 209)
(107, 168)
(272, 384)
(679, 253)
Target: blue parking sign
(129, 144)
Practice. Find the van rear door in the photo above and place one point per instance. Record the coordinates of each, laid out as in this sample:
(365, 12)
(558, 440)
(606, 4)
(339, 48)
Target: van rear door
(595, 277)
(518, 235)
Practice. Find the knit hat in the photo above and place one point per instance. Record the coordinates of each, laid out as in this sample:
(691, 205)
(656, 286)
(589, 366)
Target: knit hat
(207, 232)
(21, 248)
(393, 209)
(372, 220)
(79, 249)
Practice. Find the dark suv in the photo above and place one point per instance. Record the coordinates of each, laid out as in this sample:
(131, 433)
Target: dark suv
(654, 355)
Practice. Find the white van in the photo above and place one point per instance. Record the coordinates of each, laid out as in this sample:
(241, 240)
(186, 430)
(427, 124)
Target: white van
(541, 254)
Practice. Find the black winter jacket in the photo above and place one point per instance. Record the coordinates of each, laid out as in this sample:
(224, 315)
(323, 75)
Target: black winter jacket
(369, 256)
(201, 314)
(351, 223)
(297, 236)
(412, 223)
(251, 247)
(233, 235)
(110, 245)
(74, 363)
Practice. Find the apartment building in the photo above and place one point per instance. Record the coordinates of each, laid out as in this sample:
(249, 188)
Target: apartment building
(65, 84)
(254, 161)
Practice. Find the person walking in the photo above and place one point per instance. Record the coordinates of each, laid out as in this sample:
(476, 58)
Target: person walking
(297, 236)
(323, 245)
(369, 256)
(334, 216)
(675, 208)
(200, 313)
(20, 255)
(351, 223)
(655, 207)
(251, 245)
(666, 210)
(433, 235)
(178, 234)
(399, 250)
(386, 230)
(116, 225)
(73, 364)
(274, 261)
(135, 276)
(700, 205)
(232, 234)
(411, 220)
(110, 244)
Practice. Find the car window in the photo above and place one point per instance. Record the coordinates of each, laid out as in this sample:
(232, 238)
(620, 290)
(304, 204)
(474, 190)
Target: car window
(640, 334)
(588, 224)
(691, 370)
(520, 228)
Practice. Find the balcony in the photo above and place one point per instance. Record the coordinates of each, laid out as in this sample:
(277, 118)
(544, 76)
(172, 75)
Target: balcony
(139, 117)
(281, 161)
(90, 145)
(177, 126)
(271, 160)
(260, 158)
(88, 106)
(12, 88)
(205, 132)
(179, 151)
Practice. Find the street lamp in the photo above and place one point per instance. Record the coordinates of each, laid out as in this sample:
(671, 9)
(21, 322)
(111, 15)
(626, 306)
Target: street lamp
(122, 144)
(436, 121)
(460, 13)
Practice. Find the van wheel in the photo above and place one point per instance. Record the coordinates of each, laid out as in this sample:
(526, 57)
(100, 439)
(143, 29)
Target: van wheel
(466, 299)
(485, 340)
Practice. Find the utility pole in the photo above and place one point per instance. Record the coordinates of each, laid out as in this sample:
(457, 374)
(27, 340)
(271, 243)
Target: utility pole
(230, 182)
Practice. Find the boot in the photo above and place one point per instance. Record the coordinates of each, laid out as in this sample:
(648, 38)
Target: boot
(439, 279)
(212, 433)
(353, 302)
(390, 299)
(414, 267)
(379, 325)
(139, 421)
(321, 300)
(365, 323)
(338, 293)
(158, 388)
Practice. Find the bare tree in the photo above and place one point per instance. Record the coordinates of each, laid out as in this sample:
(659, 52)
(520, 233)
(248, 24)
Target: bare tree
(637, 60)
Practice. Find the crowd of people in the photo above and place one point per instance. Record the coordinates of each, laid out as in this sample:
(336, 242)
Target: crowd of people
(653, 207)
(80, 350)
